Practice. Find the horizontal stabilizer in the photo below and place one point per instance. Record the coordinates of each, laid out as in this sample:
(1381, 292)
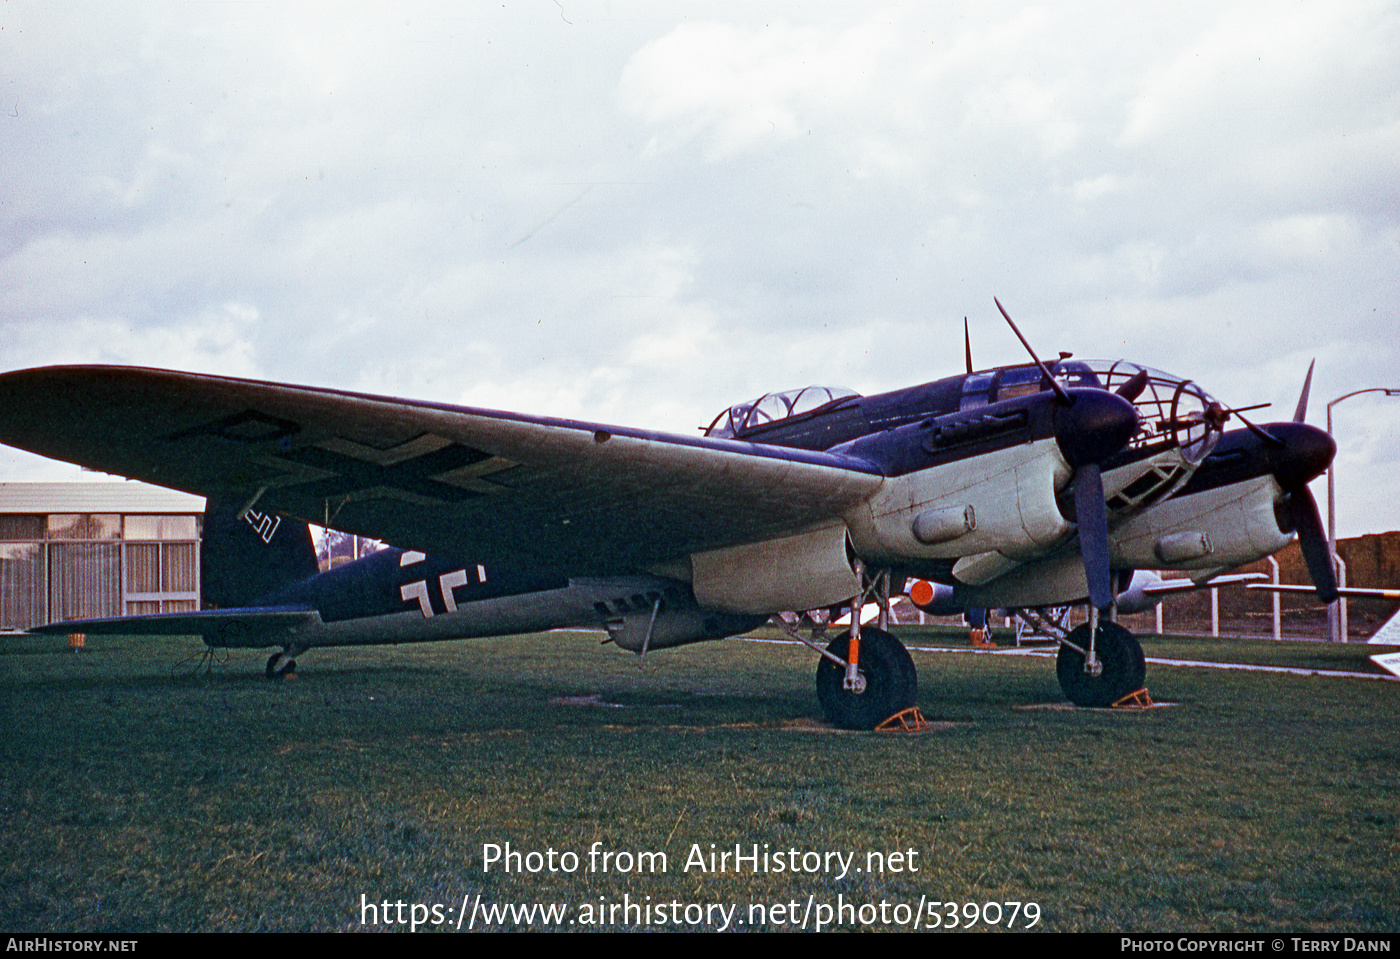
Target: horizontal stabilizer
(1390, 662)
(1354, 592)
(1167, 586)
(1146, 589)
(254, 626)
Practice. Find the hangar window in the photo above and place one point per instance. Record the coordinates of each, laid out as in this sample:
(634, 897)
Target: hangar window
(84, 580)
(162, 563)
(84, 526)
(160, 527)
(21, 527)
(23, 584)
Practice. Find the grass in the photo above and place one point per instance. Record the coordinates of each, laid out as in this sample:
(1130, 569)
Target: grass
(1297, 654)
(136, 796)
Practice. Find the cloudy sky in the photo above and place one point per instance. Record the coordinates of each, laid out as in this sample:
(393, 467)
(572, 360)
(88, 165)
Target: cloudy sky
(640, 213)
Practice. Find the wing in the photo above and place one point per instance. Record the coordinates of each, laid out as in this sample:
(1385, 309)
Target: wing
(473, 484)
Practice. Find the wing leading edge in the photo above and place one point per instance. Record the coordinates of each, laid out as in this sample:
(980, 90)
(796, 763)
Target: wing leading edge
(446, 480)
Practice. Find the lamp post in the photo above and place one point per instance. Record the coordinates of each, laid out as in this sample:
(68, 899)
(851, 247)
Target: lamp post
(1335, 623)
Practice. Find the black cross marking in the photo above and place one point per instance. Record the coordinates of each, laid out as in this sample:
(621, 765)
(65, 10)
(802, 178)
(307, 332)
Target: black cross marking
(370, 479)
(250, 426)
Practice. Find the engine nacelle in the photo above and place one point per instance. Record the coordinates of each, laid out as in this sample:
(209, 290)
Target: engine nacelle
(1001, 501)
(1217, 528)
(794, 572)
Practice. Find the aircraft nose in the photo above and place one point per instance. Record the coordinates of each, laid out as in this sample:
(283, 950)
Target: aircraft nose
(1095, 426)
(1305, 453)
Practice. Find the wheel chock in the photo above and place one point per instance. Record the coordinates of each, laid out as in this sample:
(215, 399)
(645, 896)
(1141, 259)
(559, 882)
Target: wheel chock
(1135, 700)
(905, 721)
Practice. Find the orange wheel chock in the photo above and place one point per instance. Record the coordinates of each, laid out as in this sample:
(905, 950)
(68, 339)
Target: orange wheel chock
(905, 721)
(1135, 700)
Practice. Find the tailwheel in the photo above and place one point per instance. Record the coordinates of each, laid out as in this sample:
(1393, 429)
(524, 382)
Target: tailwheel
(891, 681)
(1118, 671)
(280, 666)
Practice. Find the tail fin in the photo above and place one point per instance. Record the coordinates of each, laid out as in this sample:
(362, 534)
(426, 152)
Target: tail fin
(245, 558)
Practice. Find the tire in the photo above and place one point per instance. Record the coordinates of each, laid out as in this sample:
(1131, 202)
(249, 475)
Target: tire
(1124, 667)
(891, 681)
(278, 667)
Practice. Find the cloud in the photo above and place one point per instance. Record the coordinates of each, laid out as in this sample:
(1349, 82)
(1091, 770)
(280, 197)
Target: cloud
(719, 201)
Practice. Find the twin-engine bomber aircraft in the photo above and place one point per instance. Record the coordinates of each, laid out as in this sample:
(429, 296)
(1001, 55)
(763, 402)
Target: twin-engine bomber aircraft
(1022, 486)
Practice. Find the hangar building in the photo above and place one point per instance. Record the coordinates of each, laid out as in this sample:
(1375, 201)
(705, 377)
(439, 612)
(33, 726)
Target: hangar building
(80, 550)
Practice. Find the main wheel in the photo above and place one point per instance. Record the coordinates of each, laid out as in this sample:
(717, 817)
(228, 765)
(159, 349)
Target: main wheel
(891, 681)
(1123, 667)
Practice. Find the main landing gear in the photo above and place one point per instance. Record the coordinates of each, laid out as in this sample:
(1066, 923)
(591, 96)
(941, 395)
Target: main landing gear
(865, 676)
(1099, 667)
(888, 681)
(1100, 662)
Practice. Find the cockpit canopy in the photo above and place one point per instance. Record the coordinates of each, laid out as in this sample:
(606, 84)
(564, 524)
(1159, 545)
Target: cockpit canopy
(1172, 411)
(744, 418)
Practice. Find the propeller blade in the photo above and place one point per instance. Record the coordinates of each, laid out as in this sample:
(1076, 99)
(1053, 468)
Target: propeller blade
(1269, 438)
(1300, 414)
(1092, 516)
(1132, 389)
(967, 346)
(1313, 541)
(1060, 394)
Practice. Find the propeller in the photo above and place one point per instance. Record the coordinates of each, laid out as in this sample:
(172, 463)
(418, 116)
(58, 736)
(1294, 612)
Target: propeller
(1308, 453)
(967, 346)
(1091, 426)
(1060, 394)
(1258, 431)
(1132, 389)
(1305, 453)
(1296, 453)
(1216, 415)
(1092, 517)
(1300, 412)
(1312, 539)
